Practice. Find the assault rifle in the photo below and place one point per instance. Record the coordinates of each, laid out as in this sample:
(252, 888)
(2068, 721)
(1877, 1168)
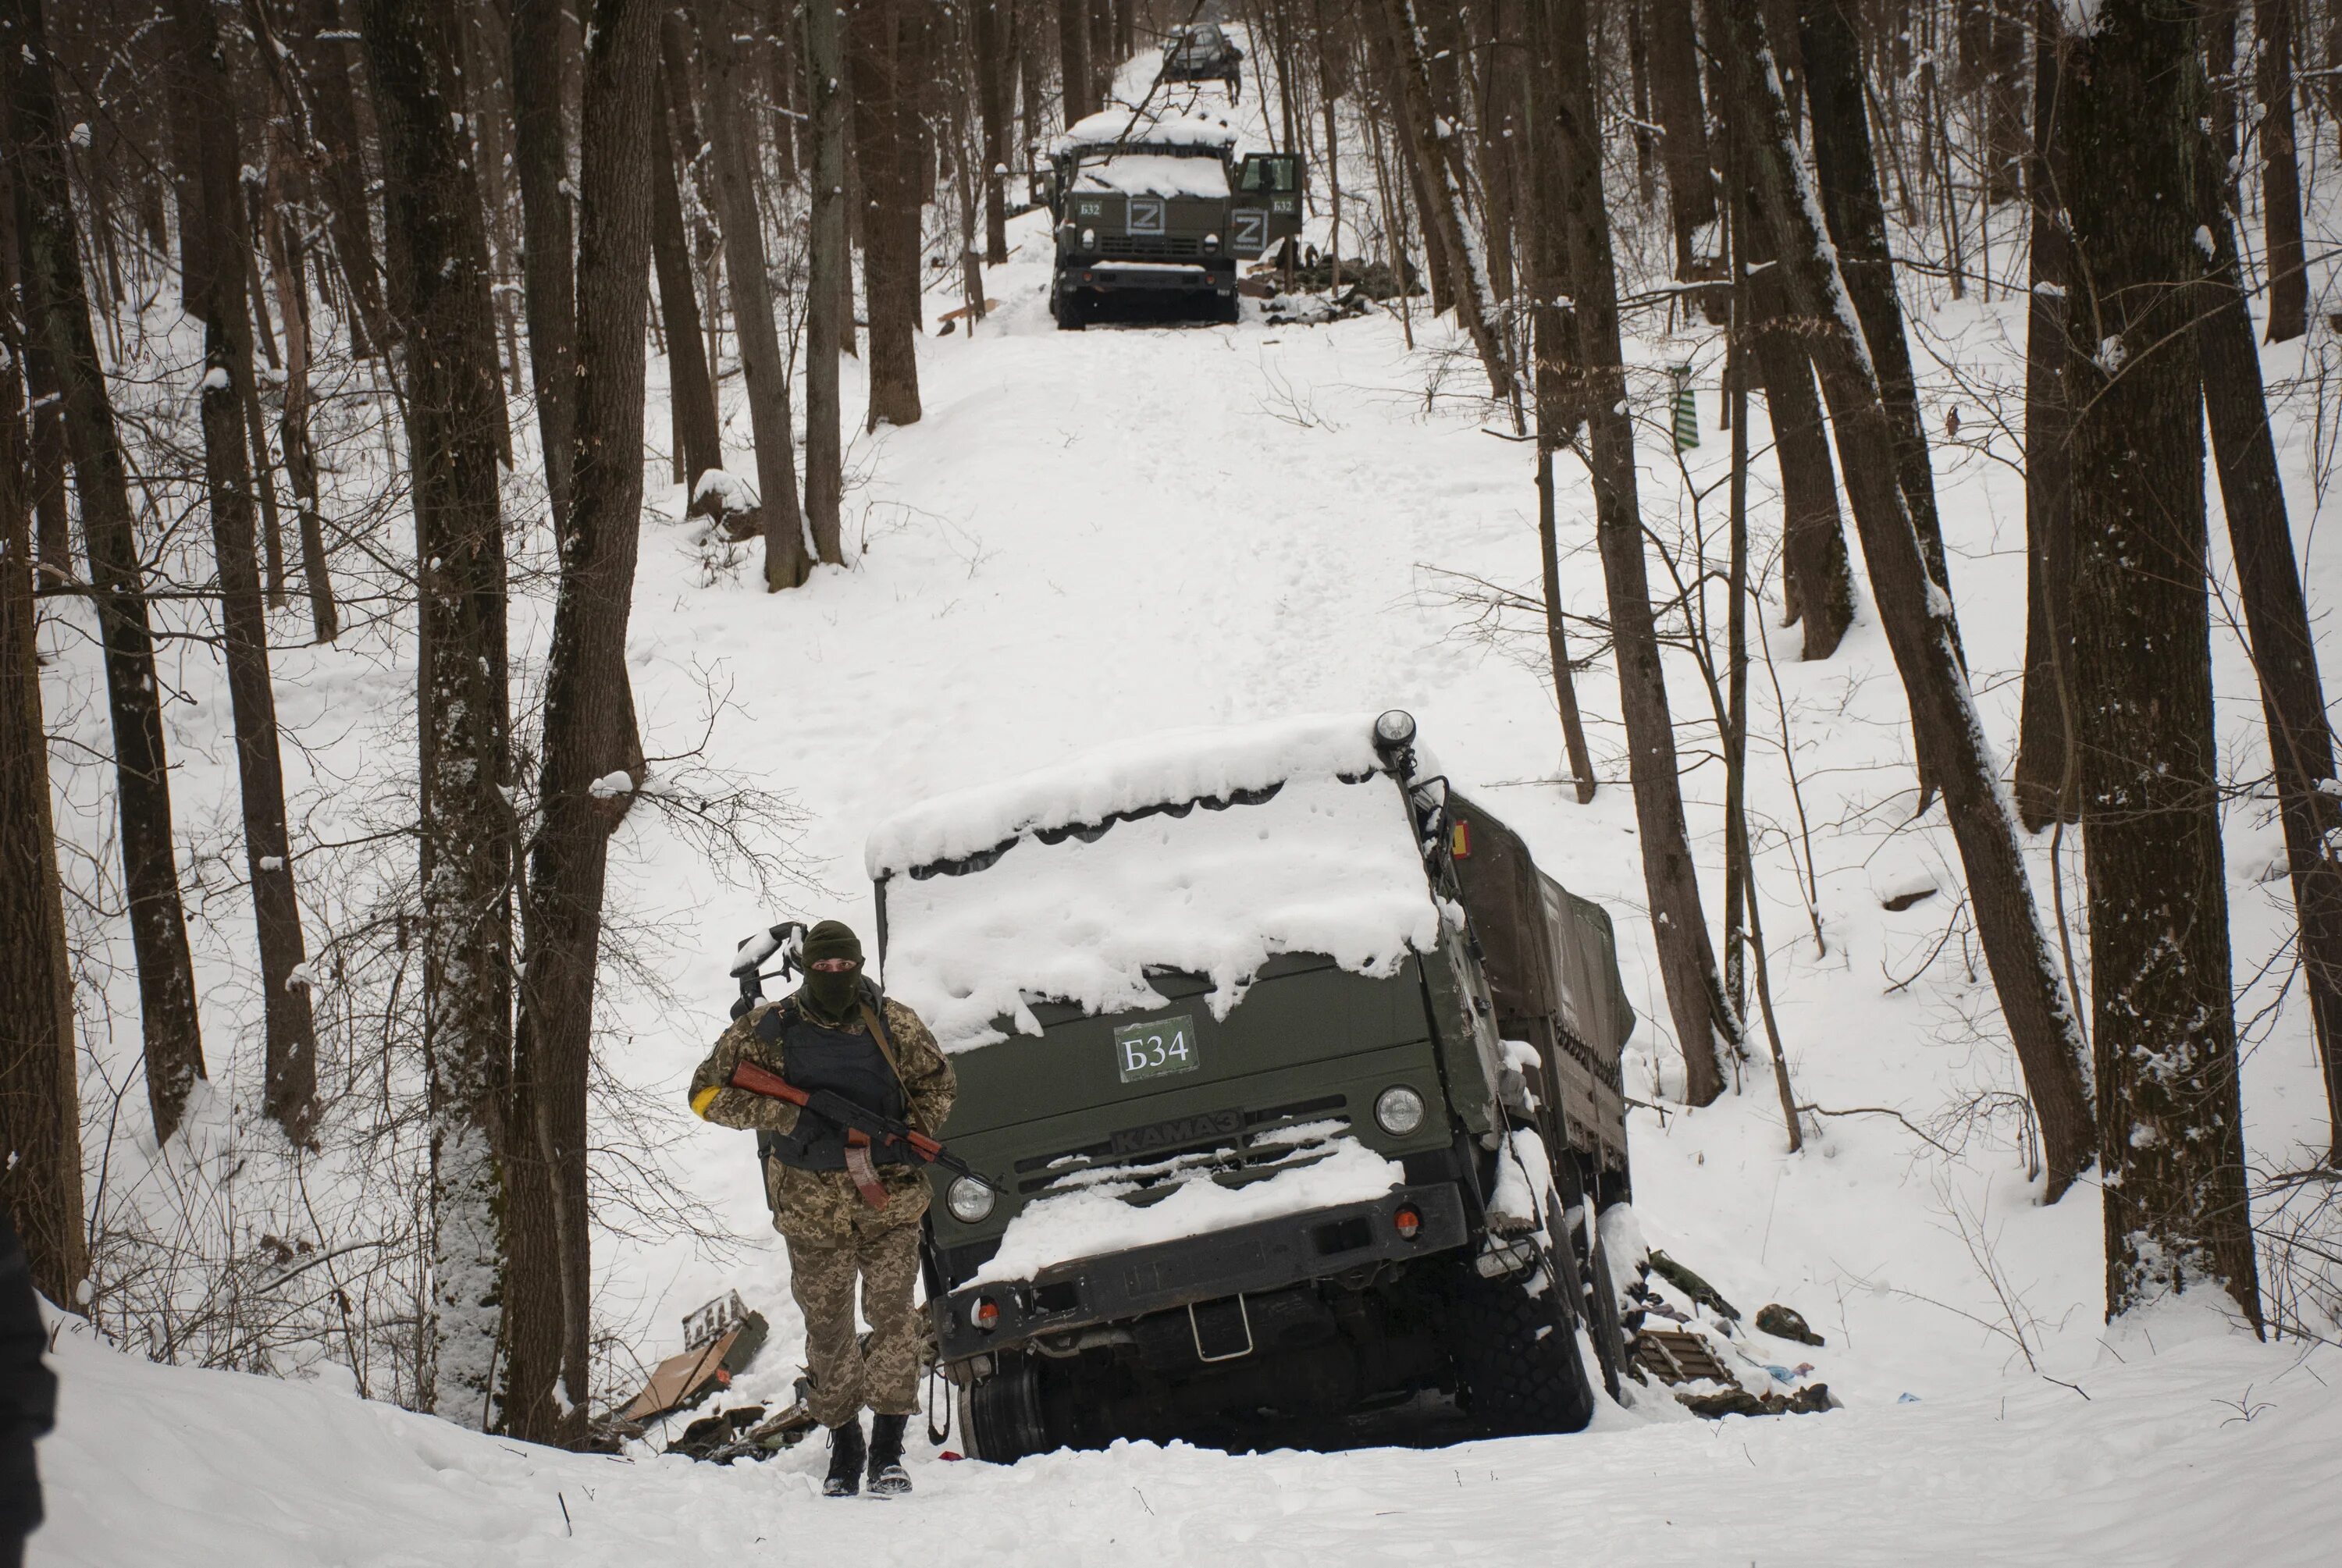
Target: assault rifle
(877, 1130)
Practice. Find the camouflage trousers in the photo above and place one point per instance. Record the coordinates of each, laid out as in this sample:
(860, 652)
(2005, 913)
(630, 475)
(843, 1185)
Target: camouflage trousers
(845, 1375)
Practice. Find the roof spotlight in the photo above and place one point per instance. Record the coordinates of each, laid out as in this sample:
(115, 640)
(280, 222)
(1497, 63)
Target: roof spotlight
(1394, 730)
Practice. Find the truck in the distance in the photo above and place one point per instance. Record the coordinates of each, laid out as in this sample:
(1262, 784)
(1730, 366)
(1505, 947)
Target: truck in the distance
(1157, 211)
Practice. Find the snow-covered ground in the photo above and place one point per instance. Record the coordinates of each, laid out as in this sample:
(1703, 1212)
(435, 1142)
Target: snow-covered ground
(1094, 536)
(2209, 1450)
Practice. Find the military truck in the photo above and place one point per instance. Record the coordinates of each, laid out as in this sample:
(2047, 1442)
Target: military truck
(1299, 1080)
(1159, 211)
(1201, 51)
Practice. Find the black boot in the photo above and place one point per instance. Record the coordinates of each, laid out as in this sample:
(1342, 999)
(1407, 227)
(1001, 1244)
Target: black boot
(846, 1451)
(887, 1476)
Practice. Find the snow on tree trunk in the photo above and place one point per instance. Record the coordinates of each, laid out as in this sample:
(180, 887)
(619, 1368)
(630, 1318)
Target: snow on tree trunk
(2276, 615)
(1475, 303)
(763, 365)
(453, 396)
(1913, 612)
(829, 318)
(1706, 1030)
(58, 303)
(40, 1122)
(2171, 1140)
(289, 1081)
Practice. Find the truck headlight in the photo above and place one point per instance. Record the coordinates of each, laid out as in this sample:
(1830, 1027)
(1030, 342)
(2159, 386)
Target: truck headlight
(1211, 242)
(1398, 1111)
(1090, 239)
(970, 1201)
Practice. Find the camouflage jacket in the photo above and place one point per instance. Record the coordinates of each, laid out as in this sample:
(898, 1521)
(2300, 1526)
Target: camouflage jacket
(822, 1206)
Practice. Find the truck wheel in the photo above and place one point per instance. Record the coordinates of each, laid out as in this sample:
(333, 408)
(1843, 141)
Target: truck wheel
(1229, 310)
(1072, 312)
(1515, 1354)
(1000, 1416)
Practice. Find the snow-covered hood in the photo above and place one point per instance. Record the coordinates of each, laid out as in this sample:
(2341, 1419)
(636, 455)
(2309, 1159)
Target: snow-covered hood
(1109, 128)
(1206, 851)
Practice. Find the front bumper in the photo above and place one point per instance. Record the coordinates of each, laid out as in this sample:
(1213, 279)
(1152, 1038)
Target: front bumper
(1267, 1255)
(1116, 276)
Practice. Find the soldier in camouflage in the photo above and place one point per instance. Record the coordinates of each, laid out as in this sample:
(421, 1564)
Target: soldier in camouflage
(842, 1207)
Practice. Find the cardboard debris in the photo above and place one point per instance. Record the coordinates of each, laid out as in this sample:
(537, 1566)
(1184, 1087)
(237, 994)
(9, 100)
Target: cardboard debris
(729, 1338)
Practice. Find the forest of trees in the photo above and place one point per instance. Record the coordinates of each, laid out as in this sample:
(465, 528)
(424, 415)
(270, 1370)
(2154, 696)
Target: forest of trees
(328, 321)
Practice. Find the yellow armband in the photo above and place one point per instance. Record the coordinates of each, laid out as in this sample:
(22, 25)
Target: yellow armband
(704, 1099)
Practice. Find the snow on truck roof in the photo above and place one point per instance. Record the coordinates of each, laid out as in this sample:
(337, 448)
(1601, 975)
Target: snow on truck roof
(1204, 851)
(1120, 127)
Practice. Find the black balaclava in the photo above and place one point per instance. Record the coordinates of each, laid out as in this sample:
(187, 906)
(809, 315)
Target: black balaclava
(832, 992)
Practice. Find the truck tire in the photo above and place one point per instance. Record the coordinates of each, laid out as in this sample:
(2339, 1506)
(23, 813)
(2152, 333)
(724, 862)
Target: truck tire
(1229, 310)
(1516, 1354)
(1071, 311)
(1000, 1416)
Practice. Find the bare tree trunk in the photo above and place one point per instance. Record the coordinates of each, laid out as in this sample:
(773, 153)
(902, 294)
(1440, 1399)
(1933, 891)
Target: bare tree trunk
(1706, 1029)
(1555, 375)
(681, 80)
(1074, 59)
(1396, 102)
(541, 162)
(689, 384)
(289, 1086)
(586, 685)
(2046, 785)
(994, 60)
(2221, 66)
(2276, 615)
(2288, 276)
(1331, 73)
(40, 1120)
(1638, 79)
(828, 283)
(57, 307)
(762, 362)
(889, 42)
(2171, 1140)
(1857, 228)
(1914, 613)
(1819, 578)
(1101, 50)
(300, 457)
(46, 455)
(1682, 121)
(452, 394)
(1476, 304)
(323, 41)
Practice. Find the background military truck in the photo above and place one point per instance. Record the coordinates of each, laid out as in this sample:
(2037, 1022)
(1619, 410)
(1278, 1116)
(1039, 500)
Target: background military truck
(1201, 51)
(1300, 1079)
(1161, 211)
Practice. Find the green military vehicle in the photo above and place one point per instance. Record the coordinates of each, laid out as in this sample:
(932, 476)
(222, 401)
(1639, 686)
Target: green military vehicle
(1159, 211)
(1202, 51)
(1297, 1080)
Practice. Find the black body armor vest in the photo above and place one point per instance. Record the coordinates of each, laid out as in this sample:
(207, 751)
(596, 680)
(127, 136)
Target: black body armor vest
(847, 1061)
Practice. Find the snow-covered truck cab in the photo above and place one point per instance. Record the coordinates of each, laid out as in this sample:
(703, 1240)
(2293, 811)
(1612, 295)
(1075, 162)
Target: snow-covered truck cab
(1162, 210)
(1271, 1139)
